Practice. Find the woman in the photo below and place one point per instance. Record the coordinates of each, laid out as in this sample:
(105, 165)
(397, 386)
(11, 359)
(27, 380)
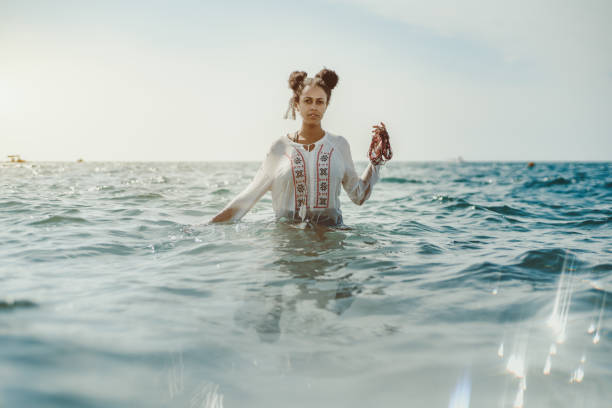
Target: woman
(304, 170)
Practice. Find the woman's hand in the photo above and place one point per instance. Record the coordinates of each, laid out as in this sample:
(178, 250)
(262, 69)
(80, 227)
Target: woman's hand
(224, 215)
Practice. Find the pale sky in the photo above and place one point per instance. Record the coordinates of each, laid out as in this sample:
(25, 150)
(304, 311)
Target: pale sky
(203, 80)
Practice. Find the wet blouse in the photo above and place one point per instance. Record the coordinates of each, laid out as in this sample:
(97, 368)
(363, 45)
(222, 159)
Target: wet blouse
(305, 185)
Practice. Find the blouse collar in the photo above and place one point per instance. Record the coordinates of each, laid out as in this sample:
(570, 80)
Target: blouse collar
(306, 144)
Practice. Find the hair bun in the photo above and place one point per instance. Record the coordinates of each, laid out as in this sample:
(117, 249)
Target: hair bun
(296, 78)
(329, 77)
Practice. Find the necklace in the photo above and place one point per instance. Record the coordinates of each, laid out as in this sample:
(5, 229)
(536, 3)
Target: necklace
(380, 139)
(307, 147)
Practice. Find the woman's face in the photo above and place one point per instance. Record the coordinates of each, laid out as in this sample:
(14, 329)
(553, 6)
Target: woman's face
(312, 104)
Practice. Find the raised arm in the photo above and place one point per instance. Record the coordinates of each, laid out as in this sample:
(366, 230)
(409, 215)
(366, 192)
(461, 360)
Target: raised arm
(243, 202)
(358, 188)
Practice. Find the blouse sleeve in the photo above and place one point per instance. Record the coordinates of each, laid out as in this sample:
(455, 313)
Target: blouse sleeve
(261, 183)
(358, 188)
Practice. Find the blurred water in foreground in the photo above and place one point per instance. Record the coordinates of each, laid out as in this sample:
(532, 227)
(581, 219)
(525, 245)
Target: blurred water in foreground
(456, 285)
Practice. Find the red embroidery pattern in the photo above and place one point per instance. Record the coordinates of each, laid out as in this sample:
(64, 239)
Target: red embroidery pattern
(298, 167)
(323, 177)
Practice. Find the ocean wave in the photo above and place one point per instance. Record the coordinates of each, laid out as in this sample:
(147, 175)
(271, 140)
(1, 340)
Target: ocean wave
(456, 203)
(585, 224)
(535, 265)
(7, 204)
(427, 248)
(460, 205)
(584, 211)
(15, 207)
(400, 180)
(468, 244)
(139, 197)
(60, 219)
(200, 249)
(507, 210)
(482, 274)
(128, 212)
(549, 260)
(558, 181)
(443, 198)
(504, 211)
(60, 253)
(594, 223)
(492, 219)
(192, 292)
(103, 249)
(413, 226)
(9, 304)
(194, 213)
(602, 268)
(167, 223)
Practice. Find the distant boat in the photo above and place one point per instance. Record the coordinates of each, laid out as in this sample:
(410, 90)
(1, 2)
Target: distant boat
(14, 158)
(80, 161)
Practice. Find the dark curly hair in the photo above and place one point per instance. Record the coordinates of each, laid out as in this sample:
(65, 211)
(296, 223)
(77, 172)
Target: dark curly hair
(326, 79)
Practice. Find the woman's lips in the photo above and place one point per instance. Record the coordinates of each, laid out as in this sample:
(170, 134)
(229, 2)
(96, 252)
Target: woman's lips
(313, 115)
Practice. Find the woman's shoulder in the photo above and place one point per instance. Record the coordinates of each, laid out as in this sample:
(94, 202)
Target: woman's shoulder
(275, 152)
(338, 141)
(279, 145)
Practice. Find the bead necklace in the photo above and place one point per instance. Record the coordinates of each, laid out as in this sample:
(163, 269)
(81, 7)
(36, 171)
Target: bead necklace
(308, 147)
(385, 153)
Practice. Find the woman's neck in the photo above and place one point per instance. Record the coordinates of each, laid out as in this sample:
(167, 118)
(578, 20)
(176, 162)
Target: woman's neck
(310, 133)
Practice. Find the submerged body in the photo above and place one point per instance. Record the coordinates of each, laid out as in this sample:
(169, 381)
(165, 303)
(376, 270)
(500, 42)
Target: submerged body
(306, 184)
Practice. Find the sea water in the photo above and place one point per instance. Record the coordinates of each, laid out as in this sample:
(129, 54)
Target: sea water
(454, 285)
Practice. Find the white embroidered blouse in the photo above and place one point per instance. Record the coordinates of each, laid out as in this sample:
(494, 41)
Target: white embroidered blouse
(305, 185)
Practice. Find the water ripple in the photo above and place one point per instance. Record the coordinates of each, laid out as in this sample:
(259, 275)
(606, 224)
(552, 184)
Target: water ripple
(61, 219)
